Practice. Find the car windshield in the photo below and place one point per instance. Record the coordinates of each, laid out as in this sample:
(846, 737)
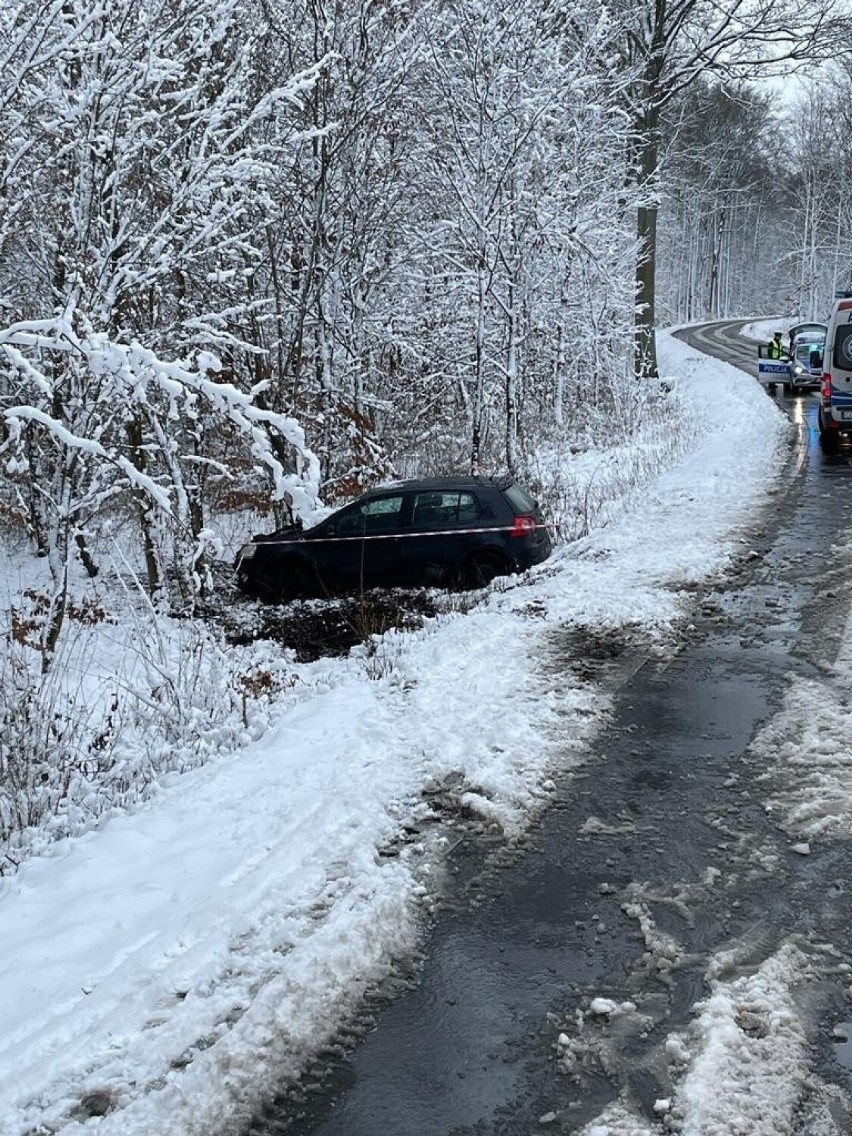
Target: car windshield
(811, 331)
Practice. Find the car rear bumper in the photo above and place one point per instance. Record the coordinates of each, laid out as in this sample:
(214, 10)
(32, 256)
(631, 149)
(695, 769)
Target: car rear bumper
(540, 551)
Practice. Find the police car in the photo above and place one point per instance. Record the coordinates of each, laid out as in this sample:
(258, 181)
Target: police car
(800, 366)
(806, 350)
(835, 410)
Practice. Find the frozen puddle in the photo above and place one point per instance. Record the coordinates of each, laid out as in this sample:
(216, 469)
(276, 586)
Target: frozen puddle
(843, 1044)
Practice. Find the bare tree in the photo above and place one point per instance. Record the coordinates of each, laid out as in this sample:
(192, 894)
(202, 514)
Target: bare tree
(133, 185)
(517, 153)
(670, 44)
(341, 228)
(817, 210)
(720, 181)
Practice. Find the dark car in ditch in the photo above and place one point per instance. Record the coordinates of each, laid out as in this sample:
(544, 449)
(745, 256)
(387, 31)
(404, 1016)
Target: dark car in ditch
(438, 532)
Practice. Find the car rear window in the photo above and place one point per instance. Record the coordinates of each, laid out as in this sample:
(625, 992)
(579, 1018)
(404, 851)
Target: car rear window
(519, 499)
(843, 347)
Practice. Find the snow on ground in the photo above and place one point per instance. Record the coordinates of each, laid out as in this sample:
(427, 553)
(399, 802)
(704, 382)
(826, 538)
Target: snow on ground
(161, 971)
(806, 746)
(617, 1120)
(752, 1054)
(740, 1068)
(763, 330)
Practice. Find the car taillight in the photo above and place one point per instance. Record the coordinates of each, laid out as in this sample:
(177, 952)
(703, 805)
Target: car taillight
(523, 526)
(826, 387)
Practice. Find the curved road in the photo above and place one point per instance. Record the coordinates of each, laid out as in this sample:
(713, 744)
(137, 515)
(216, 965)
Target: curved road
(723, 340)
(678, 801)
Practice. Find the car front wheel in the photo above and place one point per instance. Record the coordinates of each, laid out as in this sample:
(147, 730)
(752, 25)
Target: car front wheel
(292, 583)
(276, 584)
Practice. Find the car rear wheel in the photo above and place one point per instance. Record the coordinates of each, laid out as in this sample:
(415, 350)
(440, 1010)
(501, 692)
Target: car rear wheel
(828, 439)
(263, 586)
(481, 569)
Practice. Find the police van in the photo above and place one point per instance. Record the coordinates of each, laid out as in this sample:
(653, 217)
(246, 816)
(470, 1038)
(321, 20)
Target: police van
(835, 410)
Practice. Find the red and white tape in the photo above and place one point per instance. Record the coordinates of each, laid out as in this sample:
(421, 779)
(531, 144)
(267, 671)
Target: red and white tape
(394, 536)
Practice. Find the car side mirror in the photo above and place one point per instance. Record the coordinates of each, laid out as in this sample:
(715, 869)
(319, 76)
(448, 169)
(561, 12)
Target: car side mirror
(815, 358)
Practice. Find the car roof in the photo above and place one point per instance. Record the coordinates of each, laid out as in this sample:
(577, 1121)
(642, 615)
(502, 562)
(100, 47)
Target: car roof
(435, 484)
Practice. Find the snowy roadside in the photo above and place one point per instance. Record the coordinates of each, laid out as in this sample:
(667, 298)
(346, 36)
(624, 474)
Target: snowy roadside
(740, 1068)
(162, 970)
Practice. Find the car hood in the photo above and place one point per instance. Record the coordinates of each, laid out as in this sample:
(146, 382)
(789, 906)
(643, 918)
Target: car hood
(290, 532)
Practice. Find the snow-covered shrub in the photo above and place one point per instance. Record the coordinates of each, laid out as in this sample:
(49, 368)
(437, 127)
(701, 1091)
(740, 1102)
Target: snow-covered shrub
(133, 699)
(580, 482)
(98, 422)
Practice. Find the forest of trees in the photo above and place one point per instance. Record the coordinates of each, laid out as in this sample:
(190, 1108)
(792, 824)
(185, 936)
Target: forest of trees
(264, 250)
(755, 217)
(248, 244)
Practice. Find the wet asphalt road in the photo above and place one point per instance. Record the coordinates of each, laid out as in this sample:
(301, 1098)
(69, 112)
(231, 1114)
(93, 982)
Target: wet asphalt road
(645, 865)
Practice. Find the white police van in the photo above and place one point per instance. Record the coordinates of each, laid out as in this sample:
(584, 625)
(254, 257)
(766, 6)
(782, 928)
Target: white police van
(835, 410)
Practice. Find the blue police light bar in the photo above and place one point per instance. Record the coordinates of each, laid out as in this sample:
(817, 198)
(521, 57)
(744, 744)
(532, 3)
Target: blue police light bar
(841, 295)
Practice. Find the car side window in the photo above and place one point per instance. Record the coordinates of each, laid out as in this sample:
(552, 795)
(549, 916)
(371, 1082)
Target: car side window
(427, 510)
(443, 510)
(468, 509)
(382, 514)
(463, 509)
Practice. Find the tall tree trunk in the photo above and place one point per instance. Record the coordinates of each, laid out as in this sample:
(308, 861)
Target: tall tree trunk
(559, 378)
(512, 396)
(715, 257)
(144, 507)
(479, 367)
(645, 347)
(57, 559)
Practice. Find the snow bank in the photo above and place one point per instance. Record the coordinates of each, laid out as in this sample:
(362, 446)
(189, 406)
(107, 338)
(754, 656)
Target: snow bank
(752, 1058)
